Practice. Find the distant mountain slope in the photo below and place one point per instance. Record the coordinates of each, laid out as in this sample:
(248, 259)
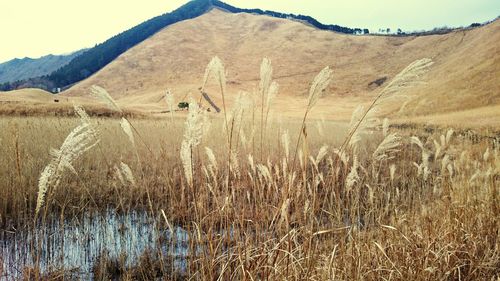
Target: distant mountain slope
(465, 74)
(20, 69)
(99, 56)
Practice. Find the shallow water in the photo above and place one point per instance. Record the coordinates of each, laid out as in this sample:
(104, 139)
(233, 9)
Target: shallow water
(77, 244)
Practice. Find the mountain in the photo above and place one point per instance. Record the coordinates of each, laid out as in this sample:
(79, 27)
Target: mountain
(21, 69)
(465, 74)
(87, 63)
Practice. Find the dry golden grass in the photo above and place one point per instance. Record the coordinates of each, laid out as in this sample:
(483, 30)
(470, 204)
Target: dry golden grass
(308, 228)
(268, 198)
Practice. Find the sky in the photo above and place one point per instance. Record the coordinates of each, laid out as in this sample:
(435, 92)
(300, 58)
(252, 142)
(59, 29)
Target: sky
(33, 28)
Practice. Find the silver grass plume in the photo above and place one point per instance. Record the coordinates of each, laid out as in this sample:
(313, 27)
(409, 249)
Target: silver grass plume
(211, 158)
(486, 155)
(285, 142)
(387, 148)
(241, 103)
(192, 137)
(127, 129)
(361, 122)
(119, 175)
(409, 77)
(216, 68)
(80, 140)
(104, 96)
(385, 127)
(353, 176)
(80, 111)
(272, 93)
(321, 154)
(392, 171)
(125, 175)
(234, 164)
(266, 76)
(318, 86)
(423, 167)
(169, 98)
(342, 155)
(356, 116)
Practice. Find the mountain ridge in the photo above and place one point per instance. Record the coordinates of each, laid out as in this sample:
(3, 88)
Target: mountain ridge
(25, 68)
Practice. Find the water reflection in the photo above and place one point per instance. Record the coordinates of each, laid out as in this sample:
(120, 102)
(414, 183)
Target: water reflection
(76, 244)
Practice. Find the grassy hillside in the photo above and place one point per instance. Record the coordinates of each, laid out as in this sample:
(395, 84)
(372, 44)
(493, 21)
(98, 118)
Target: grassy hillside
(96, 58)
(172, 59)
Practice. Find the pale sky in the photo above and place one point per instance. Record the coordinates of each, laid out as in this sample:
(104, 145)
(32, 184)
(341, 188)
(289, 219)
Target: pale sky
(33, 28)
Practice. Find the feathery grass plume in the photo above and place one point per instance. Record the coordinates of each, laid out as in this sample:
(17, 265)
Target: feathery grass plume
(211, 158)
(353, 176)
(444, 163)
(124, 174)
(423, 167)
(234, 164)
(216, 68)
(251, 163)
(284, 210)
(235, 117)
(264, 172)
(321, 154)
(119, 175)
(342, 156)
(405, 79)
(243, 139)
(103, 95)
(392, 172)
(401, 110)
(285, 142)
(127, 173)
(385, 127)
(417, 141)
(359, 125)
(266, 77)
(318, 86)
(387, 148)
(486, 155)
(80, 140)
(192, 137)
(408, 77)
(272, 93)
(356, 116)
(187, 161)
(449, 134)
(437, 150)
(80, 111)
(169, 98)
(127, 129)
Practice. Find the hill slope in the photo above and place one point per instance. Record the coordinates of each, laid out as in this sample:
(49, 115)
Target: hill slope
(465, 75)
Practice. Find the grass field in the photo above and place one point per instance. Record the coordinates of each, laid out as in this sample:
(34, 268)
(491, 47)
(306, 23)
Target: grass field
(257, 196)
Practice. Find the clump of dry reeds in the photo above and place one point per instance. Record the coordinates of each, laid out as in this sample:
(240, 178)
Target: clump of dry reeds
(80, 140)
